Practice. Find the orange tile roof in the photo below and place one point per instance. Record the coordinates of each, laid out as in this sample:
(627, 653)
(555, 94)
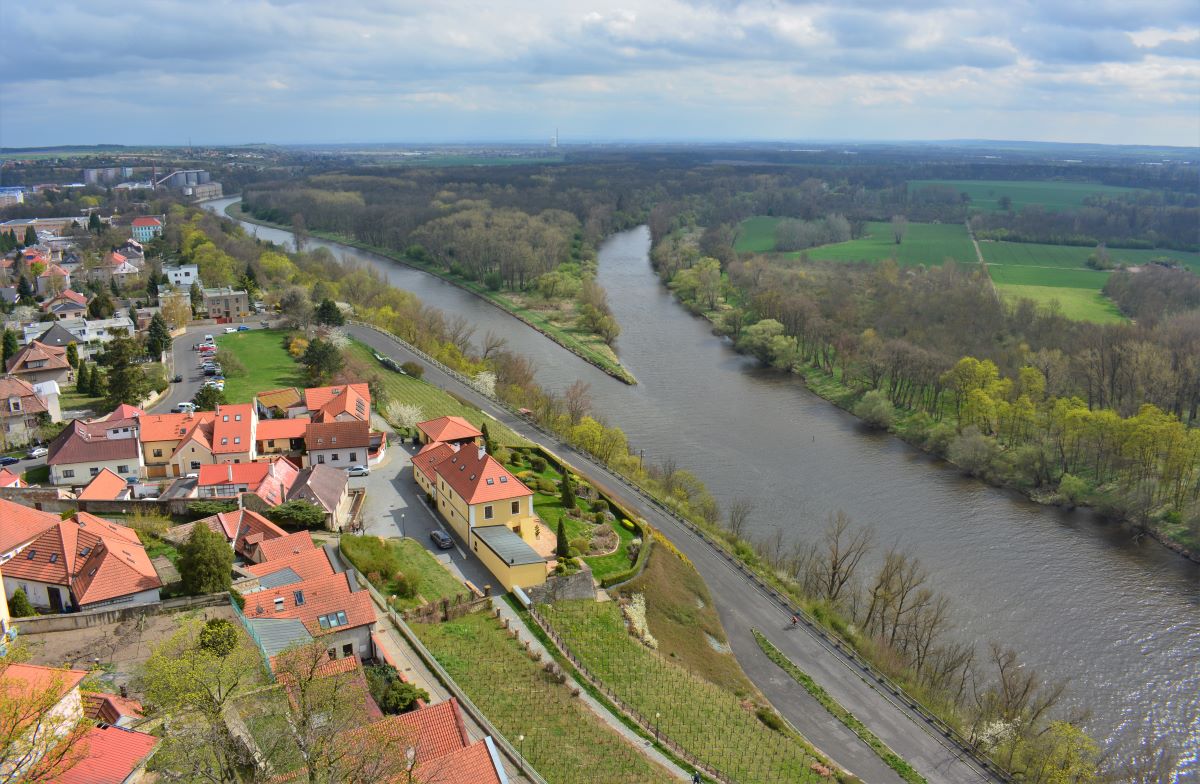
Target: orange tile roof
(146, 221)
(18, 679)
(55, 358)
(308, 565)
(109, 708)
(20, 524)
(286, 546)
(233, 429)
(123, 411)
(281, 428)
(9, 479)
(472, 765)
(322, 597)
(449, 428)
(438, 729)
(170, 427)
(430, 455)
(478, 477)
(112, 754)
(105, 486)
(319, 399)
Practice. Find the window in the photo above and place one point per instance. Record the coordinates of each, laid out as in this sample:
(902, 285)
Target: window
(68, 473)
(491, 481)
(237, 439)
(354, 457)
(195, 465)
(83, 553)
(224, 441)
(335, 457)
(225, 418)
(122, 469)
(504, 480)
(332, 653)
(278, 604)
(487, 512)
(31, 554)
(299, 597)
(237, 418)
(320, 459)
(53, 557)
(158, 453)
(516, 507)
(93, 471)
(348, 649)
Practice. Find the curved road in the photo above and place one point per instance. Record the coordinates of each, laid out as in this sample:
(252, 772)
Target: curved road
(744, 606)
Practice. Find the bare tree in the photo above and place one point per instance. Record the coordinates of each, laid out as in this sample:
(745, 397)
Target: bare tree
(838, 554)
(899, 228)
(578, 401)
(492, 343)
(739, 516)
(459, 331)
(299, 232)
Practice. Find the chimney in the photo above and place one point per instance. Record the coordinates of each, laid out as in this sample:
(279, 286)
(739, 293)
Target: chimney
(482, 452)
(229, 472)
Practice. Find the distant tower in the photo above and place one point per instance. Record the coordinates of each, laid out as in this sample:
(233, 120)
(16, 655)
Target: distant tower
(554, 141)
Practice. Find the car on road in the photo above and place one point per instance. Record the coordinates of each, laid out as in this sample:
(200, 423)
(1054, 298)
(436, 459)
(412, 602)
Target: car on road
(184, 408)
(218, 383)
(243, 328)
(213, 370)
(264, 324)
(36, 452)
(7, 461)
(177, 379)
(229, 330)
(358, 470)
(441, 539)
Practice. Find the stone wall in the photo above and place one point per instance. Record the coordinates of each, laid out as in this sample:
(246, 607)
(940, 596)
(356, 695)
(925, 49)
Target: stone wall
(82, 620)
(558, 588)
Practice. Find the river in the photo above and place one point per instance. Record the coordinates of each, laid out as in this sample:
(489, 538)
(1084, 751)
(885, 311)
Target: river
(1073, 595)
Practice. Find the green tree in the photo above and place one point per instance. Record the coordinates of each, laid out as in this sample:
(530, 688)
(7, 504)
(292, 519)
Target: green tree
(101, 306)
(11, 345)
(205, 562)
(197, 296)
(562, 548)
(488, 443)
(97, 382)
(390, 692)
(73, 354)
(19, 606)
(152, 288)
(82, 378)
(875, 409)
(322, 361)
(208, 398)
(158, 338)
(566, 491)
(30, 236)
(329, 313)
(24, 290)
(114, 287)
(297, 513)
(126, 382)
(94, 224)
(219, 637)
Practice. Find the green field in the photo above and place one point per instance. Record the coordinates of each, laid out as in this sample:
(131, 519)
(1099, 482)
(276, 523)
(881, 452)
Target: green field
(267, 363)
(756, 235)
(563, 739)
(1074, 303)
(924, 243)
(1040, 255)
(381, 559)
(986, 194)
(1056, 277)
(433, 401)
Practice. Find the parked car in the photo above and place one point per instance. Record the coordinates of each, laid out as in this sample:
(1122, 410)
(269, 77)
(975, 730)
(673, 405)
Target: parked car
(358, 470)
(176, 379)
(441, 539)
(209, 339)
(228, 330)
(7, 461)
(212, 370)
(184, 408)
(131, 480)
(264, 324)
(37, 451)
(243, 328)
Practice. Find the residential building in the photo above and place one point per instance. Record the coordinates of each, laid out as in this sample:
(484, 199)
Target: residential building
(339, 444)
(146, 228)
(10, 479)
(53, 226)
(66, 304)
(90, 334)
(84, 449)
(275, 403)
(117, 265)
(281, 436)
(243, 529)
(162, 435)
(280, 547)
(183, 276)
(226, 303)
(38, 362)
(270, 480)
(328, 609)
(293, 568)
(111, 708)
(106, 486)
(115, 755)
(82, 562)
(10, 195)
(328, 488)
(40, 734)
(22, 408)
(233, 433)
(340, 403)
(449, 430)
(53, 280)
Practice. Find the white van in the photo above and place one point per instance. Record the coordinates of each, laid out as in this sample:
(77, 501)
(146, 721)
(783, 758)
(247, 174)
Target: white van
(185, 408)
(209, 339)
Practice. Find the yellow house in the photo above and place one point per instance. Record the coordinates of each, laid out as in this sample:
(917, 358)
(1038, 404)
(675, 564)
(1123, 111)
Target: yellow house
(5, 623)
(489, 508)
(161, 436)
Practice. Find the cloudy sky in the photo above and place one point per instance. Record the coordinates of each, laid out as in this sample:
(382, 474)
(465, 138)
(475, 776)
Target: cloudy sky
(295, 71)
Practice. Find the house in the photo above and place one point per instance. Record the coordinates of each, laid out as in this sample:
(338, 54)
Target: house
(59, 336)
(34, 736)
(82, 562)
(328, 488)
(9, 479)
(106, 486)
(113, 755)
(280, 547)
(327, 609)
(489, 508)
(280, 402)
(8, 294)
(182, 276)
(89, 334)
(161, 436)
(292, 568)
(341, 403)
(226, 303)
(243, 529)
(84, 449)
(22, 409)
(111, 708)
(340, 444)
(233, 433)
(270, 480)
(146, 229)
(449, 430)
(38, 362)
(66, 304)
(281, 436)
(52, 280)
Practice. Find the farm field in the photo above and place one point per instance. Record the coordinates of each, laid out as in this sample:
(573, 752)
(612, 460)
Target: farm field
(563, 740)
(924, 243)
(712, 723)
(756, 235)
(1074, 303)
(1040, 255)
(267, 363)
(1058, 277)
(986, 194)
(434, 402)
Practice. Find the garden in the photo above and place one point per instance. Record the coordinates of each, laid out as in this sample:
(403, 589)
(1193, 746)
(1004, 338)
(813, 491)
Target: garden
(401, 568)
(532, 706)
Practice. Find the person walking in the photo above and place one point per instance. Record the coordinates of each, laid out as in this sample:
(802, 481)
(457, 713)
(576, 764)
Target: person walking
(696, 777)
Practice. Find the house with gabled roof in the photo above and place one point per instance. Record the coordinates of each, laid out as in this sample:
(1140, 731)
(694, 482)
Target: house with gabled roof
(337, 444)
(328, 609)
(449, 430)
(84, 449)
(269, 479)
(338, 403)
(161, 436)
(243, 529)
(81, 562)
(327, 488)
(22, 408)
(233, 433)
(66, 304)
(52, 280)
(105, 486)
(281, 436)
(293, 568)
(9, 479)
(38, 362)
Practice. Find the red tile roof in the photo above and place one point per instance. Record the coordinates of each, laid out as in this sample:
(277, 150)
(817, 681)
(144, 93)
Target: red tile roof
(430, 455)
(478, 477)
(10, 387)
(18, 680)
(20, 524)
(123, 411)
(308, 565)
(55, 358)
(53, 270)
(268, 479)
(65, 296)
(335, 435)
(325, 403)
(105, 486)
(82, 442)
(9, 479)
(170, 427)
(472, 765)
(233, 429)
(146, 221)
(449, 428)
(281, 428)
(112, 754)
(285, 546)
(109, 708)
(437, 729)
(322, 598)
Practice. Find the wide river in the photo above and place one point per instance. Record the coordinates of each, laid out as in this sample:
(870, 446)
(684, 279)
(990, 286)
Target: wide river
(1074, 596)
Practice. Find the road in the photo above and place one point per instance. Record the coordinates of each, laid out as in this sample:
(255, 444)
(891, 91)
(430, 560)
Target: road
(743, 606)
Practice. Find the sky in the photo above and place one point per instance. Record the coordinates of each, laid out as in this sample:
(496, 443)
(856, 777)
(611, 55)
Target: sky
(344, 71)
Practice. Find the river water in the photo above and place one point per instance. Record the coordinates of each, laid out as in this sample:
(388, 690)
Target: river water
(1074, 596)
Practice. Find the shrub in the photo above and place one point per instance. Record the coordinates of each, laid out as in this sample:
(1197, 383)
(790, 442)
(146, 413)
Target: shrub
(406, 585)
(546, 486)
(19, 606)
(297, 513)
(1073, 489)
(390, 692)
(581, 544)
(768, 717)
(219, 637)
(238, 599)
(538, 463)
(876, 410)
(231, 366)
(493, 281)
(526, 476)
(414, 369)
(210, 508)
(974, 452)
(503, 456)
(628, 525)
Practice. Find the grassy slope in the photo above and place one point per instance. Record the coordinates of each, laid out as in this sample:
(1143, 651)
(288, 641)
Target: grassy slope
(1074, 303)
(924, 243)
(433, 401)
(370, 554)
(985, 194)
(268, 365)
(563, 739)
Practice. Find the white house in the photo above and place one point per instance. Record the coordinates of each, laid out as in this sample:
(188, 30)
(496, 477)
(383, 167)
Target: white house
(182, 276)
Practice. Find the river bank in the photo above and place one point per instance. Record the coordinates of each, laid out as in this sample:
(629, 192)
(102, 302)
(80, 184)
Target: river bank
(599, 356)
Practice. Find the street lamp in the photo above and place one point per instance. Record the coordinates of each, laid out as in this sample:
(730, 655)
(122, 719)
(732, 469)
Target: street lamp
(402, 525)
(657, 716)
(521, 745)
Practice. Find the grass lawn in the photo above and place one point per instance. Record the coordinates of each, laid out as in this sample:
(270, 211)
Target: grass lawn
(370, 554)
(564, 740)
(986, 194)
(1075, 303)
(1056, 277)
(73, 400)
(433, 401)
(268, 365)
(924, 243)
(37, 476)
(1075, 256)
(714, 724)
(756, 235)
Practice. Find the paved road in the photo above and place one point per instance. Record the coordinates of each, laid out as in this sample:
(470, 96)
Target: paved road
(743, 607)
